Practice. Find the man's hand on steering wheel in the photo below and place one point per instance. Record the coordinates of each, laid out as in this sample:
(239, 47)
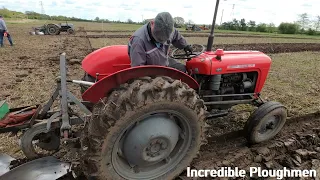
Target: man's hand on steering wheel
(187, 49)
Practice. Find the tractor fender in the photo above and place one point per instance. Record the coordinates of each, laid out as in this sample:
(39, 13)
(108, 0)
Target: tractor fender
(101, 88)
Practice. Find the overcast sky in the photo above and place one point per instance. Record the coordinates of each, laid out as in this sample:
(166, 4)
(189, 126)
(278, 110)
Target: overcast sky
(199, 11)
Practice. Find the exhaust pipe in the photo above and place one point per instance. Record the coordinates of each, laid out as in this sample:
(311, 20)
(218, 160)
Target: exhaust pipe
(211, 36)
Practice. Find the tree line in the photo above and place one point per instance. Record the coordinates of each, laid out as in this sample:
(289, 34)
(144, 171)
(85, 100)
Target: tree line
(303, 25)
(6, 13)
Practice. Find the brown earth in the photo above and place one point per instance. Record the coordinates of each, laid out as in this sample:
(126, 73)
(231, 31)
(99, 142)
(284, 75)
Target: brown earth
(29, 70)
(30, 67)
(297, 146)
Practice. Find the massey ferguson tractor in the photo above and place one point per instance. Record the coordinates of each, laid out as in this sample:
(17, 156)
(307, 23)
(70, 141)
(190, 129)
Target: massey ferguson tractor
(56, 29)
(149, 122)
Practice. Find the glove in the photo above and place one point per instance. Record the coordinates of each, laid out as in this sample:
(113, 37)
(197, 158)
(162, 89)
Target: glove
(187, 49)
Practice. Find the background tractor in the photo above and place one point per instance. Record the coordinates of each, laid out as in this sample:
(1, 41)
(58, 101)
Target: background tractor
(149, 122)
(56, 29)
(193, 27)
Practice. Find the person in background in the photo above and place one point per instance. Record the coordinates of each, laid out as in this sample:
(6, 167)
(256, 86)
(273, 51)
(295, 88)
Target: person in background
(4, 32)
(149, 45)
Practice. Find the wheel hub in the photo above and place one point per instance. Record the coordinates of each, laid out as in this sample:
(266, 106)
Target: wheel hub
(52, 30)
(151, 141)
(49, 141)
(269, 125)
(156, 150)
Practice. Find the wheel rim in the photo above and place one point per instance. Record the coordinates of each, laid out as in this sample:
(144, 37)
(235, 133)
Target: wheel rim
(269, 127)
(52, 30)
(157, 155)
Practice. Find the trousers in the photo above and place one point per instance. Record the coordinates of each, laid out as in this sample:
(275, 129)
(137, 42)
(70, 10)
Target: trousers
(2, 38)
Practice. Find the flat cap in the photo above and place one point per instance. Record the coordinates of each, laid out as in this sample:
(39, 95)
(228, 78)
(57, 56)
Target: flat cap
(163, 27)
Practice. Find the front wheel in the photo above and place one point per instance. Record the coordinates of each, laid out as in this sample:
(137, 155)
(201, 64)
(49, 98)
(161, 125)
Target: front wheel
(70, 31)
(265, 122)
(147, 129)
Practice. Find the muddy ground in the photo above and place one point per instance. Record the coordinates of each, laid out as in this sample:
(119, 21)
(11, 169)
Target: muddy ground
(28, 74)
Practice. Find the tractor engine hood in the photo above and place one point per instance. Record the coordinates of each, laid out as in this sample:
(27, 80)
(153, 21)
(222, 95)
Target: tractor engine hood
(209, 63)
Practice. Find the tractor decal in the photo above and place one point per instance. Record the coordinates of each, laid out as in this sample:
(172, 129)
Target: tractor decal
(241, 66)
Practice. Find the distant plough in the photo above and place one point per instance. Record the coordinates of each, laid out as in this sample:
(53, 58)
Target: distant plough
(269, 48)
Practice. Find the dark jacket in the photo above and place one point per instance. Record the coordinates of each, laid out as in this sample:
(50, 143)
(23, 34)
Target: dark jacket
(3, 26)
(142, 48)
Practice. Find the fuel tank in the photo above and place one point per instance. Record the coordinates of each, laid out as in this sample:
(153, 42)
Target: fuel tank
(106, 61)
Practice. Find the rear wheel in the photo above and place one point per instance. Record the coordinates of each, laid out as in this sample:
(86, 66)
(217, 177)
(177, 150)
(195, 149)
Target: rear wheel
(265, 122)
(147, 129)
(53, 29)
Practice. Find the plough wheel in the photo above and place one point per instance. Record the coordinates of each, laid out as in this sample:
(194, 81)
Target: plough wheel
(147, 129)
(44, 141)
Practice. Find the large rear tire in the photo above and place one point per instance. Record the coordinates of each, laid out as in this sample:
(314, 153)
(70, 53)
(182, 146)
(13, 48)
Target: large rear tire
(53, 29)
(162, 125)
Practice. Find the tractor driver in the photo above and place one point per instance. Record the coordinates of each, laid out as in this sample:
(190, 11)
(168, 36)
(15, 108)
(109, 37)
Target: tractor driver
(149, 45)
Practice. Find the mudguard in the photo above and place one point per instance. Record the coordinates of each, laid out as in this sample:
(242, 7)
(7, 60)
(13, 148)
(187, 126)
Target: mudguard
(103, 86)
(46, 168)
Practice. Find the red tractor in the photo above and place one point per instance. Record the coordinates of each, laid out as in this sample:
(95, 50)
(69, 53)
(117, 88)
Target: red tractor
(148, 122)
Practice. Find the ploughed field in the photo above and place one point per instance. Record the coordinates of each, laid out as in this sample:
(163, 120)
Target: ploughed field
(29, 70)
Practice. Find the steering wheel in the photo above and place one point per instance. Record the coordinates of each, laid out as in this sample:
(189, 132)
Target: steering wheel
(185, 55)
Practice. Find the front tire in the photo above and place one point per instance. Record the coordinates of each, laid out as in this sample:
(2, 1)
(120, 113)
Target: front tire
(265, 122)
(70, 31)
(165, 121)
